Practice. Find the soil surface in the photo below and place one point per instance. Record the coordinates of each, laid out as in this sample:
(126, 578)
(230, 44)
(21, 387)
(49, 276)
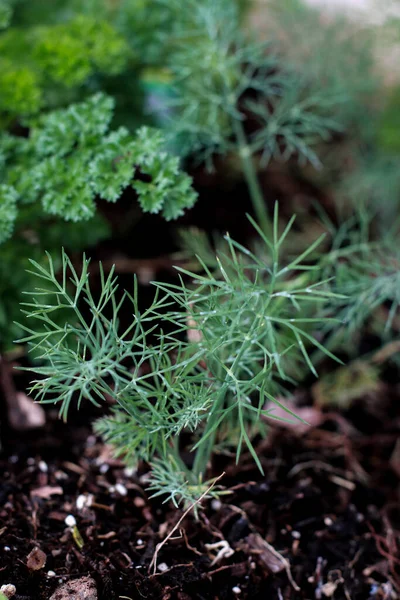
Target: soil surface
(323, 522)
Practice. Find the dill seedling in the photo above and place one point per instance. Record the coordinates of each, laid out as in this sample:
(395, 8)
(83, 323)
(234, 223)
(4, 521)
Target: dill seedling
(205, 359)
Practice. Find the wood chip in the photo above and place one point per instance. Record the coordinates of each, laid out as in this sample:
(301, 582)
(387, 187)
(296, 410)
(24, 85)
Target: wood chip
(24, 413)
(265, 553)
(46, 491)
(36, 559)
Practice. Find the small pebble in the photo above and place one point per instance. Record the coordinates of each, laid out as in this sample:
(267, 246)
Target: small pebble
(83, 588)
(36, 559)
(51, 574)
(70, 521)
(8, 590)
(7, 548)
(328, 521)
(139, 542)
(121, 489)
(296, 535)
(163, 567)
(103, 469)
(13, 459)
(30, 461)
(216, 504)
(139, 502)
(236, 590)
(43, 466)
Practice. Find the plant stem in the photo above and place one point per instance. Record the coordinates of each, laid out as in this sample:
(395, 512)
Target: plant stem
(253, 184)
(203, 455)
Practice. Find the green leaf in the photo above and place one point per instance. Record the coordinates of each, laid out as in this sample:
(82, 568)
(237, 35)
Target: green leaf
(8, 211)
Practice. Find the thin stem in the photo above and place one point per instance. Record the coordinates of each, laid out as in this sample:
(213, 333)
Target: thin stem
(203, 455)
(205, 448)
(253, 184)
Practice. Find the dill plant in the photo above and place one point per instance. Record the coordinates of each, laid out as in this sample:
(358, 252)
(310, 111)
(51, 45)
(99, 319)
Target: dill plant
(206, 358)
(360, 167)
(236, 95)
(366, 274)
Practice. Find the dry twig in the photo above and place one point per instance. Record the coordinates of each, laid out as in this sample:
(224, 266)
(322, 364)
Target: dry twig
(153, 564)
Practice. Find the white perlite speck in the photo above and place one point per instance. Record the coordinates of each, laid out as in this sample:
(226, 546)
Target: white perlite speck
(70, 521)
(236, 590)
(84, 500)
(121, 489)
(216, 504)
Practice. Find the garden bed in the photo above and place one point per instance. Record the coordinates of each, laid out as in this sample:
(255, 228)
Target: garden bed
(320, 523)
(279, 339)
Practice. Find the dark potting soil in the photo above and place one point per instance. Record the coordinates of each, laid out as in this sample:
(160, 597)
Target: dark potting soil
(324, 520)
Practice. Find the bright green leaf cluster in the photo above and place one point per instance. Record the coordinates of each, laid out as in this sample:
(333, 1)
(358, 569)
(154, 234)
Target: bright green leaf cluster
(38, 61)
(5, 13)
(368, 277)
(69, 53)
(20, 91)
(71, 158)
(8, 211)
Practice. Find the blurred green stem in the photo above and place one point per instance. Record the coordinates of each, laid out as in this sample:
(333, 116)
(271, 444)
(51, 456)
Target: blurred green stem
(253, 184)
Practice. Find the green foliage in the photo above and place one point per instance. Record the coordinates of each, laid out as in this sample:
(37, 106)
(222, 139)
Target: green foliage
(20, 90)
(69, 53)
(33, 234)
(217, 353)
(347, 384)
(331, 53)
(389, 124)
(43, 59)
(369, 277)
(71, 157)
(5, 13)
(8, 211)
(221, 80)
